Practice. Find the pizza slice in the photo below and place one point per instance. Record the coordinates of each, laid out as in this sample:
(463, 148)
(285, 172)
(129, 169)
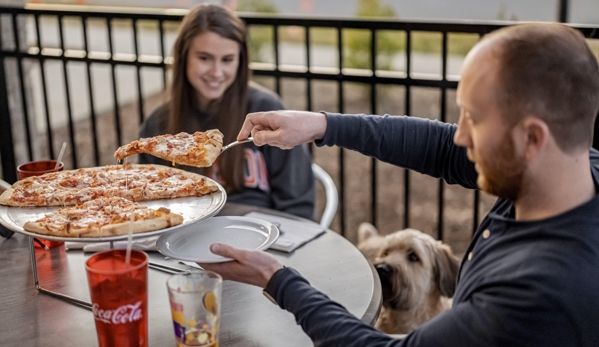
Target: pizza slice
(103, 217)
(198, 149)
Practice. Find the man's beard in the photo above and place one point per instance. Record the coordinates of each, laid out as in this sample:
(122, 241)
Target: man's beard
(502, 174)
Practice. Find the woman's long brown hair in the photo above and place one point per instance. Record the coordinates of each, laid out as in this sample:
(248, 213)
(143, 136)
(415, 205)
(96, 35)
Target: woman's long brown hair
(232, 107)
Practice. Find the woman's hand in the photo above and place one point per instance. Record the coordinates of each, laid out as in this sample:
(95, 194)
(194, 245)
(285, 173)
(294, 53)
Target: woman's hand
(283, 129)
(251, 267)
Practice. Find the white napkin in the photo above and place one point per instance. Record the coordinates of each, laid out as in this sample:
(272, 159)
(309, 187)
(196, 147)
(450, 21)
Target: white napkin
(293, 233)
(144, 244)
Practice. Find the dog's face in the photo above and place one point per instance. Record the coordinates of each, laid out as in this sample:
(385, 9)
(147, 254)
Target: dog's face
(413, 267)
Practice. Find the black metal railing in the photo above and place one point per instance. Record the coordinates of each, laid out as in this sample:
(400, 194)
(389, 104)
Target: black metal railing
(36, 52)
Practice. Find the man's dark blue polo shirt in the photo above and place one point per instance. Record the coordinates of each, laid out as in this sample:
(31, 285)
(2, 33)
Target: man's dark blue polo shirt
(530, 283)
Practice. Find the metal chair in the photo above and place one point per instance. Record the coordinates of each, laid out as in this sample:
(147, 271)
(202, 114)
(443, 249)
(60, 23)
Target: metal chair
(4, 185)
(330, 191)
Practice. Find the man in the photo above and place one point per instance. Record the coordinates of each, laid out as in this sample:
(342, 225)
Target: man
(528, 96)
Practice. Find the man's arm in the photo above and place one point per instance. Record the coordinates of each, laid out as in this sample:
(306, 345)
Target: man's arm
(509, 314)
(508, 311)
(422, 145)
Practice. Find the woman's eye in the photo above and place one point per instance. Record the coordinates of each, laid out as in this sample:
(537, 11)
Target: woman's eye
(413, 257)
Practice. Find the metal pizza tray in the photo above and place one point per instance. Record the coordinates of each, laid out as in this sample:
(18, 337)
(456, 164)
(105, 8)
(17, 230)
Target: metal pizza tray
(193, 209)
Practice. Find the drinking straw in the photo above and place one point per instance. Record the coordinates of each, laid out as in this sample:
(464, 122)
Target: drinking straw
(41, 244)
(64, 146)
(129, 240)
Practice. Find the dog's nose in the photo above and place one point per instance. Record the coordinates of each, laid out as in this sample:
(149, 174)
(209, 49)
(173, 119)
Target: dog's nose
(384, 270)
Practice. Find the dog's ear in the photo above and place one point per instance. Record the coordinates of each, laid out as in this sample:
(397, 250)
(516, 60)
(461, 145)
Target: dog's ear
(446, 269)
(366, 231)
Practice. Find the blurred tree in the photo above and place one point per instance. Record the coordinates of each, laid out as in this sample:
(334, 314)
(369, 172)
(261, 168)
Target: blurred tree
(261, 6)
(259, 36)
(357, 42)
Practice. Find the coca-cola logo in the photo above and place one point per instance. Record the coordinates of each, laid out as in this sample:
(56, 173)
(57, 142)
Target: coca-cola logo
(123, 314)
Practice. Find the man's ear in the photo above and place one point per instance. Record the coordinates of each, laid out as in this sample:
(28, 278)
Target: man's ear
(535, 136)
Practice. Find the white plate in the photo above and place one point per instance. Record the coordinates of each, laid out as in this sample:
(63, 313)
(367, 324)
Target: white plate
(192, 242)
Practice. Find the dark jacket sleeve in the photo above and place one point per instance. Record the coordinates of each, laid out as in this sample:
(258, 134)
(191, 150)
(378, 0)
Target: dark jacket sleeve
(492, 317)
(325, 321)
(290, 171)
(422, 145)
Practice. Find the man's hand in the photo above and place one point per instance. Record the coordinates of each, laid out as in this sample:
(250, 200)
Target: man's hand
(251, 267)
(283, 129)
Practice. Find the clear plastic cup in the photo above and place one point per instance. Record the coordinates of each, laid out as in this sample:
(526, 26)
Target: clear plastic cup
(195, 306)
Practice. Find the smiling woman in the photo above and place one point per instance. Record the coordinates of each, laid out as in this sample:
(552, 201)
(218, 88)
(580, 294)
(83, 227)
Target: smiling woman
(210, 89)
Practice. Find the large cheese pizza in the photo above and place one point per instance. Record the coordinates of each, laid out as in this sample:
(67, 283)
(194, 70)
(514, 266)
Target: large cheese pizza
(101, 201)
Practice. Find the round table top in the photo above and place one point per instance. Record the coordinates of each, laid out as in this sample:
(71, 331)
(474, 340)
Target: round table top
(27, 317)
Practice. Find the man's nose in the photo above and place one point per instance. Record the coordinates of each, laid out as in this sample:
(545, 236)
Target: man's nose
(462, 136)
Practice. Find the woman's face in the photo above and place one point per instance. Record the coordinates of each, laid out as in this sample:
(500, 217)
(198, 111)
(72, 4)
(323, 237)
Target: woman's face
(212, 63)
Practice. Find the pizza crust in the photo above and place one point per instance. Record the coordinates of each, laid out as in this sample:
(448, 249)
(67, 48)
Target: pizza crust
(139, 226)
(5, 197)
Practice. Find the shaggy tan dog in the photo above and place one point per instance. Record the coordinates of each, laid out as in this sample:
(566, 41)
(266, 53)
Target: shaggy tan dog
(417, 272)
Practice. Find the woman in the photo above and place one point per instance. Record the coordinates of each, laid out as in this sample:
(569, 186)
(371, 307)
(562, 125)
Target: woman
(211, 90)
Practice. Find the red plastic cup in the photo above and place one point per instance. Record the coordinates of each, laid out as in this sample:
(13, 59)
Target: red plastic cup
(119, 295)
(38, 168)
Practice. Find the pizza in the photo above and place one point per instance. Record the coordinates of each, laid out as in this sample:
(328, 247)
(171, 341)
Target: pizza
(199, 149)
(131, 181)
(103, 217)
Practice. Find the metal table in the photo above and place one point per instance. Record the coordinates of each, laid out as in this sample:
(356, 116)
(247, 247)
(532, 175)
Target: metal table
(31, 318)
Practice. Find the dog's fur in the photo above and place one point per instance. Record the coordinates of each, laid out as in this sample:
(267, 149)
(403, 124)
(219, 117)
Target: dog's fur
(417, 272)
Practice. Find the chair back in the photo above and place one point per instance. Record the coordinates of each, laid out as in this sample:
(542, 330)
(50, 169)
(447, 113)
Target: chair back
(330, 191)
(4, 185)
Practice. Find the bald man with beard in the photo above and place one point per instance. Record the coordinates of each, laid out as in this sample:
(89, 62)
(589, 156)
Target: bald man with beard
(528, 98)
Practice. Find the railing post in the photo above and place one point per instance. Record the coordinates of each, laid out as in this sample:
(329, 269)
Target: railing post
(562, 14)
(7, 152)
